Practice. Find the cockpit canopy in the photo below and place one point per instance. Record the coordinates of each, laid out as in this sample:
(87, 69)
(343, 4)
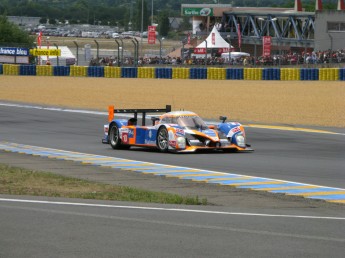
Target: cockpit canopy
(187, 121)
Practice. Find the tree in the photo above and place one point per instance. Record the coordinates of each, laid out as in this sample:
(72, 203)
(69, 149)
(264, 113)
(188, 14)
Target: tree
(163, 24)
(11, 34)
(137, 16)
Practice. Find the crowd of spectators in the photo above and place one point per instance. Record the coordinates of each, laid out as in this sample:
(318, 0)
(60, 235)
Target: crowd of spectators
(318, 57)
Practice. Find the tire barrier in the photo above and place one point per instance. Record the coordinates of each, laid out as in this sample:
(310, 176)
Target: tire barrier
(44, 70)
(342, 74)
(180, 73)
(198, 73)
(271, 74)
(112, 72)
(289, 74)
(95, 71)
(309, 74)
(27, 70)
(61, 71)
(163, 73)
(234, 73)
(210, 73)
(146, 72)
(78, 71)
(9, 69)
(216, 74)
(129, 72)
(329, 74)
(252, 74)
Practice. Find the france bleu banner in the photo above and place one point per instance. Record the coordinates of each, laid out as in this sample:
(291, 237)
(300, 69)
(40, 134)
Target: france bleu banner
(14, 51)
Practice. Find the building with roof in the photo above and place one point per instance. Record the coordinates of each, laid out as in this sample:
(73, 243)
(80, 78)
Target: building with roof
(290, 29)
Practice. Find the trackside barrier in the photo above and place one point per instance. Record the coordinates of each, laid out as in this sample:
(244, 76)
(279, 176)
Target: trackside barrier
(129, 72)
(329, 74)
(163, 73)
(289, 74)
(234, 73)
(61, 71)
(252, 74)
(271, 74)
(198, 73)
(216, 74)
(44, 70)
(95, 71)
(10, 69)
(342, 74)
(1, 69)
(146, 72)
(112, 72)
(180, 73)
(309, 74)
(27, 70)
(78, 71)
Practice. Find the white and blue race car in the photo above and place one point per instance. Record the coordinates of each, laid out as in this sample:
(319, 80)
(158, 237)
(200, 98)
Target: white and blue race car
(173, 131)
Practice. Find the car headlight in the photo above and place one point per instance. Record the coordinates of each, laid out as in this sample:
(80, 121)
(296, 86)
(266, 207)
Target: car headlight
(181, 141)
(240, 140)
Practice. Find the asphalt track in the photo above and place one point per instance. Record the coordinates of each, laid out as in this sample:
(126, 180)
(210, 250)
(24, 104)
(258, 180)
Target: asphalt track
(306, 157)
(44, 228)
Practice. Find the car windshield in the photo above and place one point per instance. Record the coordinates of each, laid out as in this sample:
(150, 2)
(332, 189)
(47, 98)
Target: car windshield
(191, 122)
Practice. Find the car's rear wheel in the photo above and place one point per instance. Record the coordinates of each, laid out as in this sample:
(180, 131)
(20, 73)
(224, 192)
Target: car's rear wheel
(114, 137)
(163, 139)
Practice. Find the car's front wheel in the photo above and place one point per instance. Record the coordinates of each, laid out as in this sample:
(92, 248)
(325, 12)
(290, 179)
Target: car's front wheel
(163, 139)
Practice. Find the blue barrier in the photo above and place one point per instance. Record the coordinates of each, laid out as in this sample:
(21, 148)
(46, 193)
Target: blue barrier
(27, 70)
(234, 73)
(342, 74)
(198, 73)
(309, 74)
(1, 69)
(163, 73)
(129, 72)
(61, 71)
(95, 71)
(271, 74)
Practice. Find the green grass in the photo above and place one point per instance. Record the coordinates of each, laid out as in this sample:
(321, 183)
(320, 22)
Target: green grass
(19, 181)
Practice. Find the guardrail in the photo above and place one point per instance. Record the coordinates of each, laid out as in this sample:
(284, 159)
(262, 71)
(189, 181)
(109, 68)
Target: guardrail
(210, 73)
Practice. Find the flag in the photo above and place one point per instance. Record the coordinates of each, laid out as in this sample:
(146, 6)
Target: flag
(239, 35)
(188, 38)
(39, 39)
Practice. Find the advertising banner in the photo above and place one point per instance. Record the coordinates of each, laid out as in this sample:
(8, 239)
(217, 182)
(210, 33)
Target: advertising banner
(151, 35)
(266, 43)
(190, 11)
(45, 52)
(239, 35)
(213, 38)
(199, 50)
(14, 51)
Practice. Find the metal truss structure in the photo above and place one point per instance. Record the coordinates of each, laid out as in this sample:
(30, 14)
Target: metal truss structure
(293, 29)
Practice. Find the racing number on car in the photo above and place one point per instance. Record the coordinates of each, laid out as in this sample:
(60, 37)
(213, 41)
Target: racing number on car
(124, 138)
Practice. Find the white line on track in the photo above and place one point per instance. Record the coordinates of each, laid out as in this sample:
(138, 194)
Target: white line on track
(282, 128)
(170, 209)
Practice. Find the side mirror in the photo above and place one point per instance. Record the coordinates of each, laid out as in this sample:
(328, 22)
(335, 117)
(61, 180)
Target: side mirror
(154, 120)
(223, 118)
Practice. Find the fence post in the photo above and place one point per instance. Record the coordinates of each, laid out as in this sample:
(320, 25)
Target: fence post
(75, 43)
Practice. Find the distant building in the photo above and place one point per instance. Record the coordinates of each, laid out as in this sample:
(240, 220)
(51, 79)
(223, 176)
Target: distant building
(23, 20)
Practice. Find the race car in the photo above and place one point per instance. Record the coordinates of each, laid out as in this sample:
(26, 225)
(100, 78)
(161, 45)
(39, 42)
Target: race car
(173, 131)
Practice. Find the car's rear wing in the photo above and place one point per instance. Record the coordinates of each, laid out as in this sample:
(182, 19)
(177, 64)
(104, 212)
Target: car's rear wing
(112, 111)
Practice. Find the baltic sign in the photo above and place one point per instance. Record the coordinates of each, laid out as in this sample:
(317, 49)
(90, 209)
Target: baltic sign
(151, 35)
(267, 41)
